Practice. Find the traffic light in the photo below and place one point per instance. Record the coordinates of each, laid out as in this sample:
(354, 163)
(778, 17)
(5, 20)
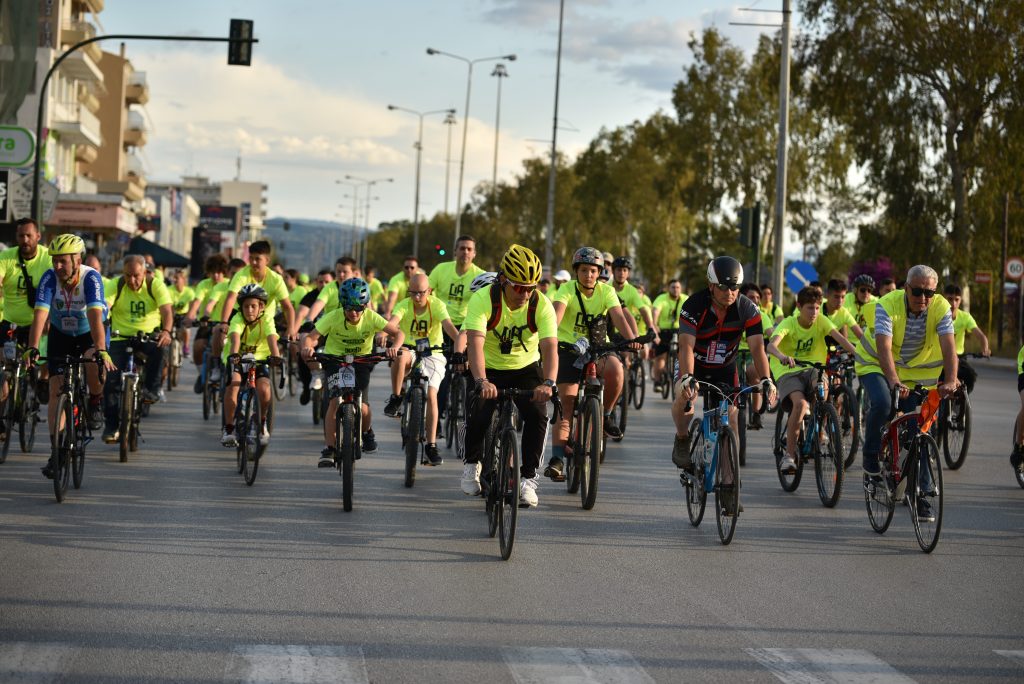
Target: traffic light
(240, 45)
(441, 251)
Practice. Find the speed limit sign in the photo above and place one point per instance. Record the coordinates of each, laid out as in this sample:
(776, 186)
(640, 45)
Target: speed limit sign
(1015, 268)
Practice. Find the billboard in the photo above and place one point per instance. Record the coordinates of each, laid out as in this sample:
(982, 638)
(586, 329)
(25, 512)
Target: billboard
(219, 218)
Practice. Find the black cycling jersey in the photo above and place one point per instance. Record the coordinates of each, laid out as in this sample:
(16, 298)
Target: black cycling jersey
(309, 298)
(717, 340)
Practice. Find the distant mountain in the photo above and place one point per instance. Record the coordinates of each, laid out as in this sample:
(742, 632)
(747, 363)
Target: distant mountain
(309, 245)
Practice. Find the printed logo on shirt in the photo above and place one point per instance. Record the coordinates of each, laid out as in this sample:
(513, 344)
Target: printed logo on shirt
(509, 336)
(583, 322)
(804, 346)
(455, 292)
(418, 328)
(138, 310)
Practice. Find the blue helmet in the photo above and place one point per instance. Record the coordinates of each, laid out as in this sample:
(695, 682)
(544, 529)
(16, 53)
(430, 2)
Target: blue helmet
(353, 293)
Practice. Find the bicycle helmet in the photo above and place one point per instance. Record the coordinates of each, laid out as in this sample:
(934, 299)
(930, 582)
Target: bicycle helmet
(589, 256)
(250, 291)
(353, 293)
(725, 270)
(605, 275)
(521, 265)
(607, 257)
(68, 243)
(482, 280)
(623, 262)
(563, 275)
(863, 280)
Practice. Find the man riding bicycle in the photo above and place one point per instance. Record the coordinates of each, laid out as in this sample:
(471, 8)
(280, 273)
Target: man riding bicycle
(861, 300)
(667, 306)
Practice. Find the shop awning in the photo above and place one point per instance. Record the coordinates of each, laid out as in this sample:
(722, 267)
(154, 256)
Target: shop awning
(161, 255)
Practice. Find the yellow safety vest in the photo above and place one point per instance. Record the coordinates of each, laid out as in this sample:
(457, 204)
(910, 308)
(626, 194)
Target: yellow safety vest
(926, 366)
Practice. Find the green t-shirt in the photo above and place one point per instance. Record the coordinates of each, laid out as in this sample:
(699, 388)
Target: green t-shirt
(857, 309)
(841, 317)
(400, 284)
(202, 288)
(426, 324)
(216, 294)
(668, 310)
(632, 301)
(348, 338)
(137, 311)
(641, 324)
(574, 322)
(272, 282)
(512, 327)
(766, 325)
(452, 288)
(329, 296)
(182, 300)
(376, 293)
(296, 295)
(252, 338)
(803, 344)
(773, 312)
(962, 324)
(15, 293)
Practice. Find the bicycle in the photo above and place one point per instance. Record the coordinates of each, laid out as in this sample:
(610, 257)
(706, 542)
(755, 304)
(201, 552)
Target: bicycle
(248, 420)
(1017, 472)
(455, 415)
(711, 441)
(174, 353)
(819, 439)
(842, 396)
(637, 383)
(671, 372)
(72, 434)
(745, 409)
(414, 407)
(348, 418)
(954, 426)
(906, 442)
(21, 406)
(211, 388)
(130, 411)
(500, 476)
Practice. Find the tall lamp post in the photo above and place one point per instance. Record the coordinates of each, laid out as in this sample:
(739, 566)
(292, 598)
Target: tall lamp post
(499, 72)
(355, 219)
(419, 159)
(449, 121)
(369, 183)
(465, 125)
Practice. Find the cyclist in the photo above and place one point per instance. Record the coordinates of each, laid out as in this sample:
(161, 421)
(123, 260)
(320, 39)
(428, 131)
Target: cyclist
(257, 273)
(513, 343)
(422, 315)
(140, 304)
(558, 280)
(768, 304)
(667, 306)
(710, 327)
(216, 268)
(629, 296)
(250, 333)
(295, 291)
(914, 342)
(801, 338)
(641, 324)
(182, 297)
(885, 286)
(963, 325)
(70, 297)
(544, 287)
(350, 329)
(752, 292)
(376, 289)
(214, 309)
(860, 301)
(399, 283)
(1017, 455)
(327, 301)
(837, 312)
(323, 279)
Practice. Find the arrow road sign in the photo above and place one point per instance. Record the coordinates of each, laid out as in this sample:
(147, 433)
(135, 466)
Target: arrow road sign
(799, 275)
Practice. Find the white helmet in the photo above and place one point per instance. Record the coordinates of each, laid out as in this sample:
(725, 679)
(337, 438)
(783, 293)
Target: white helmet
(482, 280)
(563, 275)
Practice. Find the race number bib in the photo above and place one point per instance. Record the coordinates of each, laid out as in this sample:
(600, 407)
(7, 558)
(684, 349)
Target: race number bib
(344, 379)
(716, 352)
(69, 325)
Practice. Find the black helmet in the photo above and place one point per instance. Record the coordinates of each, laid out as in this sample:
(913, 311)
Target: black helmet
(623, 262)
(864, 280)
(725, 270)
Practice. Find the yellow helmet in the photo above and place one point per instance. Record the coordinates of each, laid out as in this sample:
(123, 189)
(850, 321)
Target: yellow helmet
(68, 243)
(521, 265)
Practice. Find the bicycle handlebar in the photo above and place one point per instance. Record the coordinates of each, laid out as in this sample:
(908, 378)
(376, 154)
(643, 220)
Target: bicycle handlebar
(350, 359)
(515, 393)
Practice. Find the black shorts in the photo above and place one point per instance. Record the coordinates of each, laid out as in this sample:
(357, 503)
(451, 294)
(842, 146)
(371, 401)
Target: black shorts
(1020, 383)
(59, 345)
(718, 375)
(664, 341)
(567, 372)
(363, 371)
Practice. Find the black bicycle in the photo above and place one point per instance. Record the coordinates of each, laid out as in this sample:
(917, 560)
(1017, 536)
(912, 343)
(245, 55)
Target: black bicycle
(637, 383)
(414, 410)
(130, 411)
(248, 417)
(668, 377)
(72, 432)
(954, 425)
(21, 407)
(455, 414)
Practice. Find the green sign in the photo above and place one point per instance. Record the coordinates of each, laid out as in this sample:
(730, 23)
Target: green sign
(17, 146)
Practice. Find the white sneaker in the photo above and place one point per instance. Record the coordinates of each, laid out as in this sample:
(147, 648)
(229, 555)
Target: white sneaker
(215, 374)
(471, 479)
(317, 381)
(227, 439)
(528, 492)
(787, 465)
(265, 435)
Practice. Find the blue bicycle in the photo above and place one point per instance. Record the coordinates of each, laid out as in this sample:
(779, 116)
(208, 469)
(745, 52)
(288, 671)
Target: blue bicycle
(713, 442)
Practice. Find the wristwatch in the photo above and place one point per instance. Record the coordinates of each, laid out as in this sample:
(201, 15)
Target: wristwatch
(549, 382)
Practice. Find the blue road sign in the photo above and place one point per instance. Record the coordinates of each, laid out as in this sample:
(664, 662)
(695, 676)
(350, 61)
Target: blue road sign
(799, 274)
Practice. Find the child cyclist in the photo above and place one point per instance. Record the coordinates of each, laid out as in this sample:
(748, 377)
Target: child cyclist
(251, 333)
(800, 337)
(350, 329)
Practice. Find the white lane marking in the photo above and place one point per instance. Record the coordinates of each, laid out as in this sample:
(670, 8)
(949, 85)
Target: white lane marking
(267, 664)
(1015, 656)
(574, 666)
(826, 666)
(27, 661)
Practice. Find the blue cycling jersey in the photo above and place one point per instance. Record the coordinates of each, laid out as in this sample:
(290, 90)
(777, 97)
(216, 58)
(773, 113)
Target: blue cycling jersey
(67, 308)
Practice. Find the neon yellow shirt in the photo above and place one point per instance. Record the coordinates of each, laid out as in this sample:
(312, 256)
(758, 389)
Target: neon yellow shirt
(668, 314)
(963, 324)
(15, 293)
(1020, 361)
(574, 321)
(632, 301)
(252, 337)
(272, 282)
(512, 328)
(376, 293)
(183, 299)
(426, 324)
(296, 295)
(329, 296)
(766, 325)
(137, 311)
(400, 284)
(216, 294)
(841, 317)
(350, 338)
(453, 289)
(641, 324)
(858, 310)
(773, 312)
(803, 344)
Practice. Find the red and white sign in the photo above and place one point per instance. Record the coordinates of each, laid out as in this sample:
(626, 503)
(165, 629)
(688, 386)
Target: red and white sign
(1015, 268)
(983, 277)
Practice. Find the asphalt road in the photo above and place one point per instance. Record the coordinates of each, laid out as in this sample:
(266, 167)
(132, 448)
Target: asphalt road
(169, 568)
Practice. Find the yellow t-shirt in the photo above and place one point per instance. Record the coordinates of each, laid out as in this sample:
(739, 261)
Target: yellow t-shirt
(348, 338)
(574, 322)
(137, 311)
(632, 301)
(512, 329)
(426, 324)
(400, 284)
(1020, 361)
(452, 288)
(181, 300)
(803, 344)
(272, 282)
(857, 309)
(15, 293)
(216, 294)
(252, 338)
(376, 293)
(962, 324)
(668, 314)
(296, 295)
(329, 296)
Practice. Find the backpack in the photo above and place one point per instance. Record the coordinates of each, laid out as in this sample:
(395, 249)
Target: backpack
(120, 286)
(531, 310)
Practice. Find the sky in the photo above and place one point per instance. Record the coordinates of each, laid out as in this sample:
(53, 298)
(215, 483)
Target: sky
(312, 108)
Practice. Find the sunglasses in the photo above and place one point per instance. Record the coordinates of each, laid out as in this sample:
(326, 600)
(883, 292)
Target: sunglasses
(727, 288)
(355, 309)
(416, 293)
(522, 289)
(921, 292)
(408, 268)
(864, 290)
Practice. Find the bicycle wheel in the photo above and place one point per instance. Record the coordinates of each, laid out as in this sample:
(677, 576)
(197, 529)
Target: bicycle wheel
(639, 384)
(7, 413)
(451, 413)
(489, 478)
(741, 431)
(1017, 472)
(249, 437)
(462, 415)
(276, 381)
(829, 470)
(879, 495)
(28, 412)
(728, 456)
(63, 444)
(845, 402)
(696, 492)
(574, 453)
(413, 429)
(590, 447)
(291, 374)
(239, 422)
(208, 399)
(925, 459)
(316, 400)
(620, 412)
(347, 441)
(789, 481)
(127, 417)
(508, 490)
(956, 430)
(78, 452)
(666, 381)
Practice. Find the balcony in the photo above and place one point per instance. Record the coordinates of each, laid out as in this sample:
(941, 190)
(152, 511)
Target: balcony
(133, 167)
(80, 66)
(137, 90)
(94, 6)
(131, 188)
(75, 31)
(89, 100)
(134, 130)
(76, 124)
(86, 153)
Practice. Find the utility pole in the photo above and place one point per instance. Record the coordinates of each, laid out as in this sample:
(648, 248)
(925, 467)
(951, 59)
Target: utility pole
(1002, 269)
(780, 182)
(549, 233)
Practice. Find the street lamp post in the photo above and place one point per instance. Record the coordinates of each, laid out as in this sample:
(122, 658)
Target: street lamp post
(449, 121)
(419, 159)
(465, 126)
(369, 183)
(355, 218)
(499, 72)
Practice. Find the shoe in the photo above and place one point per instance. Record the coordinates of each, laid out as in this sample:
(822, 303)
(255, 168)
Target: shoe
(871, 467)
(149, 397)
(528, 492)
(555, 470)
(369, 442)
(1017, 457)
(391, 408)
(215, 374)
(265, 435)
(186, 350)
(318, 380)
(304, 395)
(681, 453)
(162, 395)
(326, 458)
(43, 391)
(95, 413)
(924, 511)
(471, 479)
(227, 439)
(198, 386)
(611, 429)
(433, 458)
(755, 422)
(111, 437)
(48, 469)
(787, 466)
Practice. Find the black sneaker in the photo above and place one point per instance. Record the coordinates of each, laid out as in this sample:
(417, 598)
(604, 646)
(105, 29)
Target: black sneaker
(198, 386)
(555, 470)
(924, 511)
(48, 469)
(326, 458)
(304, 395)
(43, 391)
(1017, 457)
(95, 414)
(149, 397)
(391, 408)
(433, 458)
(369, 442)
(755, 422)
(611, 429)
(681, 453)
